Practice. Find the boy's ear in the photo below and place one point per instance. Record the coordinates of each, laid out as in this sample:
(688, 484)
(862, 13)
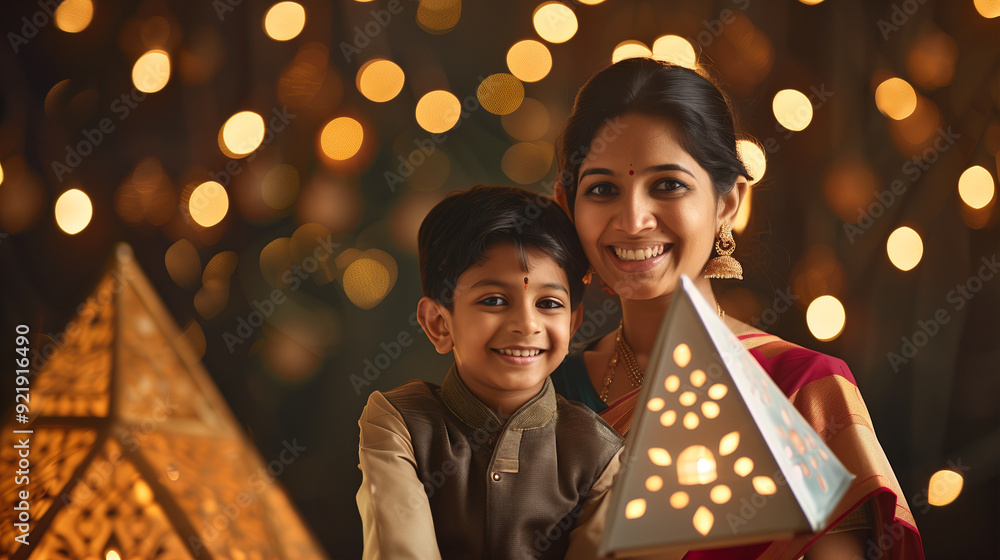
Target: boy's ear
(436, 322)
(576, 319)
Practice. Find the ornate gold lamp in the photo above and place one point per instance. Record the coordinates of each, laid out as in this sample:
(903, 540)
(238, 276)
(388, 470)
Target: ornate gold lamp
(717, 455)
(133, 453)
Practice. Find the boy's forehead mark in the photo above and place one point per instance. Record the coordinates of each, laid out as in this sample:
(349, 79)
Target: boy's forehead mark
(501, 284)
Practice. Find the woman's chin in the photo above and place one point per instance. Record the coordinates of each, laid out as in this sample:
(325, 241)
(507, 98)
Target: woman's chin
(637, 288)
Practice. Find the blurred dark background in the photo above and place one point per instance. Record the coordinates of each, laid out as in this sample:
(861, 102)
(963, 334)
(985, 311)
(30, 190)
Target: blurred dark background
(921, 342)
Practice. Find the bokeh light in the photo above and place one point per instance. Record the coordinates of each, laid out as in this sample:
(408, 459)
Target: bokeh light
(331, 201)
(22, 197)
(368, 279)
(792, 109)
(284, 21)
(676, 50)
(818, 273)
(529, 60)
(905, 248)
(753, 158)
(895, 98)
(341, 138)
(944, 487)
(438, 17)
(630, 49)
(810, 2)
(826, 318)
(438, 111)
(275, 260)
(976, 187)
(1, 173)
(151, 72)
(988, 8)
(194, 338)
(304, 78)
(73, 16)
(183, 264)
(850, 187)
(931, 62)
(241, 134)
(280, 187)
(146, 195)
(527, 162)
(531, 121)
(73, 211)
(555, 22)
(501, 93)
(208, 204)
(380, 80)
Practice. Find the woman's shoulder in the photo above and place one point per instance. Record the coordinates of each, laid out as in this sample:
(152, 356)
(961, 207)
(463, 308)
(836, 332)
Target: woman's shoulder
(792, 366)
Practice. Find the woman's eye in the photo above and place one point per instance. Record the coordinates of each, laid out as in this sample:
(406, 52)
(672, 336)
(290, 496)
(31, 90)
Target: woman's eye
(601, 189)
(550, 304)
(493, 301)
(670, 185)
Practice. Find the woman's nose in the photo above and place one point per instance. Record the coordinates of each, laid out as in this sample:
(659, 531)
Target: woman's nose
(637, 213)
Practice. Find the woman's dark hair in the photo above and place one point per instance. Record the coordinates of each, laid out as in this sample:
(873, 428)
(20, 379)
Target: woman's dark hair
(457, 232)
(696, 107)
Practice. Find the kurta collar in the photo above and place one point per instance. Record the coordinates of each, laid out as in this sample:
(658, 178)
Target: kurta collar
(533, 414)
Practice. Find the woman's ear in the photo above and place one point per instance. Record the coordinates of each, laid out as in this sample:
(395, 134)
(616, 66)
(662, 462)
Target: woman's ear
(436, 322)
(729, 204)
(559, 195)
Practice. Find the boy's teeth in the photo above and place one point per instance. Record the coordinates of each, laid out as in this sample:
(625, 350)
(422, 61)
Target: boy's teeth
(638, 254)
(519, 353)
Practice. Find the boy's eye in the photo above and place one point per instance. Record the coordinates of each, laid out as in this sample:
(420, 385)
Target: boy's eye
(601, 189)
(493, 301)
(550, 304)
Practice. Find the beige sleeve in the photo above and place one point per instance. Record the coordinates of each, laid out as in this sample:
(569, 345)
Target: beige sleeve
(586, 535)
(395, 512)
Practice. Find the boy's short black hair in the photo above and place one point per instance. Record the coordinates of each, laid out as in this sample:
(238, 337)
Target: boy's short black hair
(457, 232)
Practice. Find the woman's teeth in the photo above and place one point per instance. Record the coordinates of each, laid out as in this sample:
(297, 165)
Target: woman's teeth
(638, 254)
(520, 353)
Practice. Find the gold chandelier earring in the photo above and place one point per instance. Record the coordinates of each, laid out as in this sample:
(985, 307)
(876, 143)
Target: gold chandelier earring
(724, 266)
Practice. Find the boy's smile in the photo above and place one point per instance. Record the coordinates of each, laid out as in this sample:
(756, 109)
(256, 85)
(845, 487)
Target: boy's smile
(508, 335)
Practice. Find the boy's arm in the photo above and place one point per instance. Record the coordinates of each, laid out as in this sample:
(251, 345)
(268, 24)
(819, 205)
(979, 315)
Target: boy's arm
(586, 535)
(395, 512)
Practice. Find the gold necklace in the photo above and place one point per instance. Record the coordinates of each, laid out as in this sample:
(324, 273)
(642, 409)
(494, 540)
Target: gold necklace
(624, 351)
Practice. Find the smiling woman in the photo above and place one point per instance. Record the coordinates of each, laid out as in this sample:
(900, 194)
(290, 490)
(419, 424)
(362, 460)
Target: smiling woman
(652, 175)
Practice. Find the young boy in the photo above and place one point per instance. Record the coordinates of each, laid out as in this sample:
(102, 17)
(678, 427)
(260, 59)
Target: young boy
(492, 463)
